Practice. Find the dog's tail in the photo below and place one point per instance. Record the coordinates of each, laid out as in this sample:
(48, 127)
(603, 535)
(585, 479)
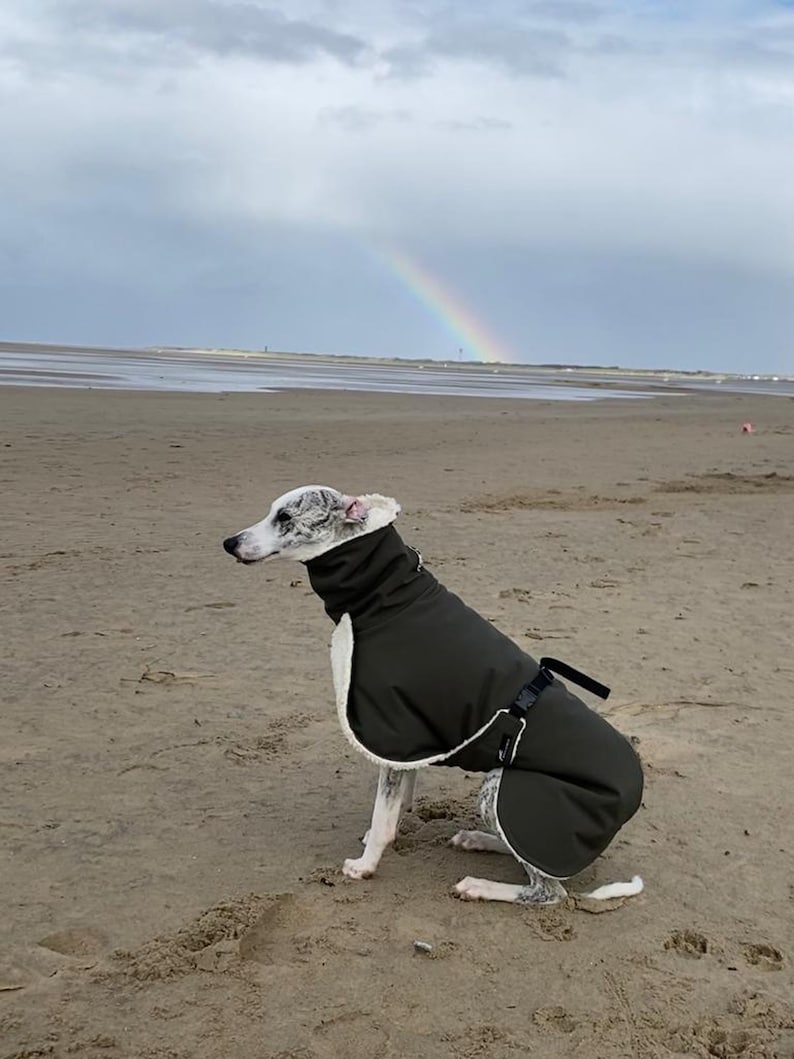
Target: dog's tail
(616, 889)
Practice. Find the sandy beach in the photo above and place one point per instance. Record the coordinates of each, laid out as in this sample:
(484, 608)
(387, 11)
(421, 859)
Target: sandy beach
(176, 799)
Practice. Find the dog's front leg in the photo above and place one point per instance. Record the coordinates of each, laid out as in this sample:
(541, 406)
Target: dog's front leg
(408, 791)
(408, 788)
(392, 784)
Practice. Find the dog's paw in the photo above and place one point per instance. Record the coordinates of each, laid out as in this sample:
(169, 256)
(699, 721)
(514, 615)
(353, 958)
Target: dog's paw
(478, 841)
(357, 868)
(469, 840)
(471, 889)
(462, 840)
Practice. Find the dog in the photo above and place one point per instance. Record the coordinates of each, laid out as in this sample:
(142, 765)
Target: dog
(421, 680)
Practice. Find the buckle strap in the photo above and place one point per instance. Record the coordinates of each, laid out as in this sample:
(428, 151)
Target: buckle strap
(531, 692)
(526, 698)
(576, 677)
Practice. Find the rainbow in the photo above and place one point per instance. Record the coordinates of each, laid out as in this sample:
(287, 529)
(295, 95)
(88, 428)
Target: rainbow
(472, 335)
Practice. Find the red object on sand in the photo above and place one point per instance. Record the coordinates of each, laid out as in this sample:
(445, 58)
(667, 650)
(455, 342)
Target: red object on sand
(747, 428)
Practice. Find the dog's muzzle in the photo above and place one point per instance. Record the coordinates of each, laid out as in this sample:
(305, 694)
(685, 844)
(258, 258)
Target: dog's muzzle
(230, 544)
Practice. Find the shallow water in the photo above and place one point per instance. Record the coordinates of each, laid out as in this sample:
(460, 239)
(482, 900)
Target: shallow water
(224, 373)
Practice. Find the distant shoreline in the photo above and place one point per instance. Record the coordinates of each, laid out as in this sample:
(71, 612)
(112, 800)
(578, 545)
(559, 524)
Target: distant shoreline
(180, 369)
(644, 374)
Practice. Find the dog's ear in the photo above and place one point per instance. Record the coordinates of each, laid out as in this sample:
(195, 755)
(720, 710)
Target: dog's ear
(355, 510)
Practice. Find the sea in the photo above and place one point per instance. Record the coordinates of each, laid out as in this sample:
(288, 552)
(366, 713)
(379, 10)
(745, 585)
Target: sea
(220, 371)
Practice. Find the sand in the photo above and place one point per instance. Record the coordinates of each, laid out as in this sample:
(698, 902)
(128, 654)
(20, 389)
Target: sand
(176, 799)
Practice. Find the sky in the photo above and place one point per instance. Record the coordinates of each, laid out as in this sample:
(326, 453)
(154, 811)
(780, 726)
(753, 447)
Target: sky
(542, 181)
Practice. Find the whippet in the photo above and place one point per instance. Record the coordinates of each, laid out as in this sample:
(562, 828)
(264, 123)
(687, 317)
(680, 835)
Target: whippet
(421, 679)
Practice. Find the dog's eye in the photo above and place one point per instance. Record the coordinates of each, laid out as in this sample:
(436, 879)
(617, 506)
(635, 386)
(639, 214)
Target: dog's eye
(283, 517)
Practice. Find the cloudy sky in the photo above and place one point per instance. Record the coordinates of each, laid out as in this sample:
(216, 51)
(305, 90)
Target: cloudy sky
(590, 182)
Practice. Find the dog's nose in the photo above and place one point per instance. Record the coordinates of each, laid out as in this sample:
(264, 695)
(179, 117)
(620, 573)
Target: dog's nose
(230, 544)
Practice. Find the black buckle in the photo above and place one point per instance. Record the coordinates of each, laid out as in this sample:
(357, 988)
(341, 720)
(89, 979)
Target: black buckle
(526, 698)
(531, 692)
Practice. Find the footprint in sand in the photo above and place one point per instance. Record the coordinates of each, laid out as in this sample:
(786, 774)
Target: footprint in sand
(280, 935)
(765, 957)
(688, 943)
(711, 1037)
(353, 1033)
(210, 942)
(265, 747)
(39, 963)
(441, 809)
(555, 1019)
(294, 930)
(76, 942)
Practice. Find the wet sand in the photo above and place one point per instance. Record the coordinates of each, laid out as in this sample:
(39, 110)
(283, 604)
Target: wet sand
(176, 798)
(241, 371)
(237, 371)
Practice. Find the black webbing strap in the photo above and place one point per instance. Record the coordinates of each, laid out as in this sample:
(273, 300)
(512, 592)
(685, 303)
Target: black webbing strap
(531, 692)
(562, 669)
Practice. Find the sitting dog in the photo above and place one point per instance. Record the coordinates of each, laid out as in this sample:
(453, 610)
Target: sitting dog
(421, 679)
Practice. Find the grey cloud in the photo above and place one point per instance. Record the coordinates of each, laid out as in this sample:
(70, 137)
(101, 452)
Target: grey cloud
(754, 44)
(361, 119)
(208, 25)
(766, 51)
(525, 51)
(408, 61)
(212, 208)
(250, 288)
(613, 44)
(517, 49)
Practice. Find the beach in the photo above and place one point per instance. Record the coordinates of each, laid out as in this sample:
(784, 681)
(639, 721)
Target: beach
(176, 798)
(262, 371)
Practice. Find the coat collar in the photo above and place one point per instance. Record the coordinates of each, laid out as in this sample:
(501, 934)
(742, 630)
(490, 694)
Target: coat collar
(368, 576)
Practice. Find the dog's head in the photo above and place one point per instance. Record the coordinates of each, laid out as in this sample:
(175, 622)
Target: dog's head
(308, 521)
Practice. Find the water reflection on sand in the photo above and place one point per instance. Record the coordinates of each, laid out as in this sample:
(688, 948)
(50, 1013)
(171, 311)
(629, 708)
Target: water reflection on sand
(213, 372)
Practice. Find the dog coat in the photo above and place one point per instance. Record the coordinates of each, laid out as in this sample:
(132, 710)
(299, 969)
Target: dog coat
(422, 679)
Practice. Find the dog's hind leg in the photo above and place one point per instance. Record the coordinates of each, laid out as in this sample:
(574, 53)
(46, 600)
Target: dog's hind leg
(486, 841)
(539, 891)
(392, 784)
(479, 842)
